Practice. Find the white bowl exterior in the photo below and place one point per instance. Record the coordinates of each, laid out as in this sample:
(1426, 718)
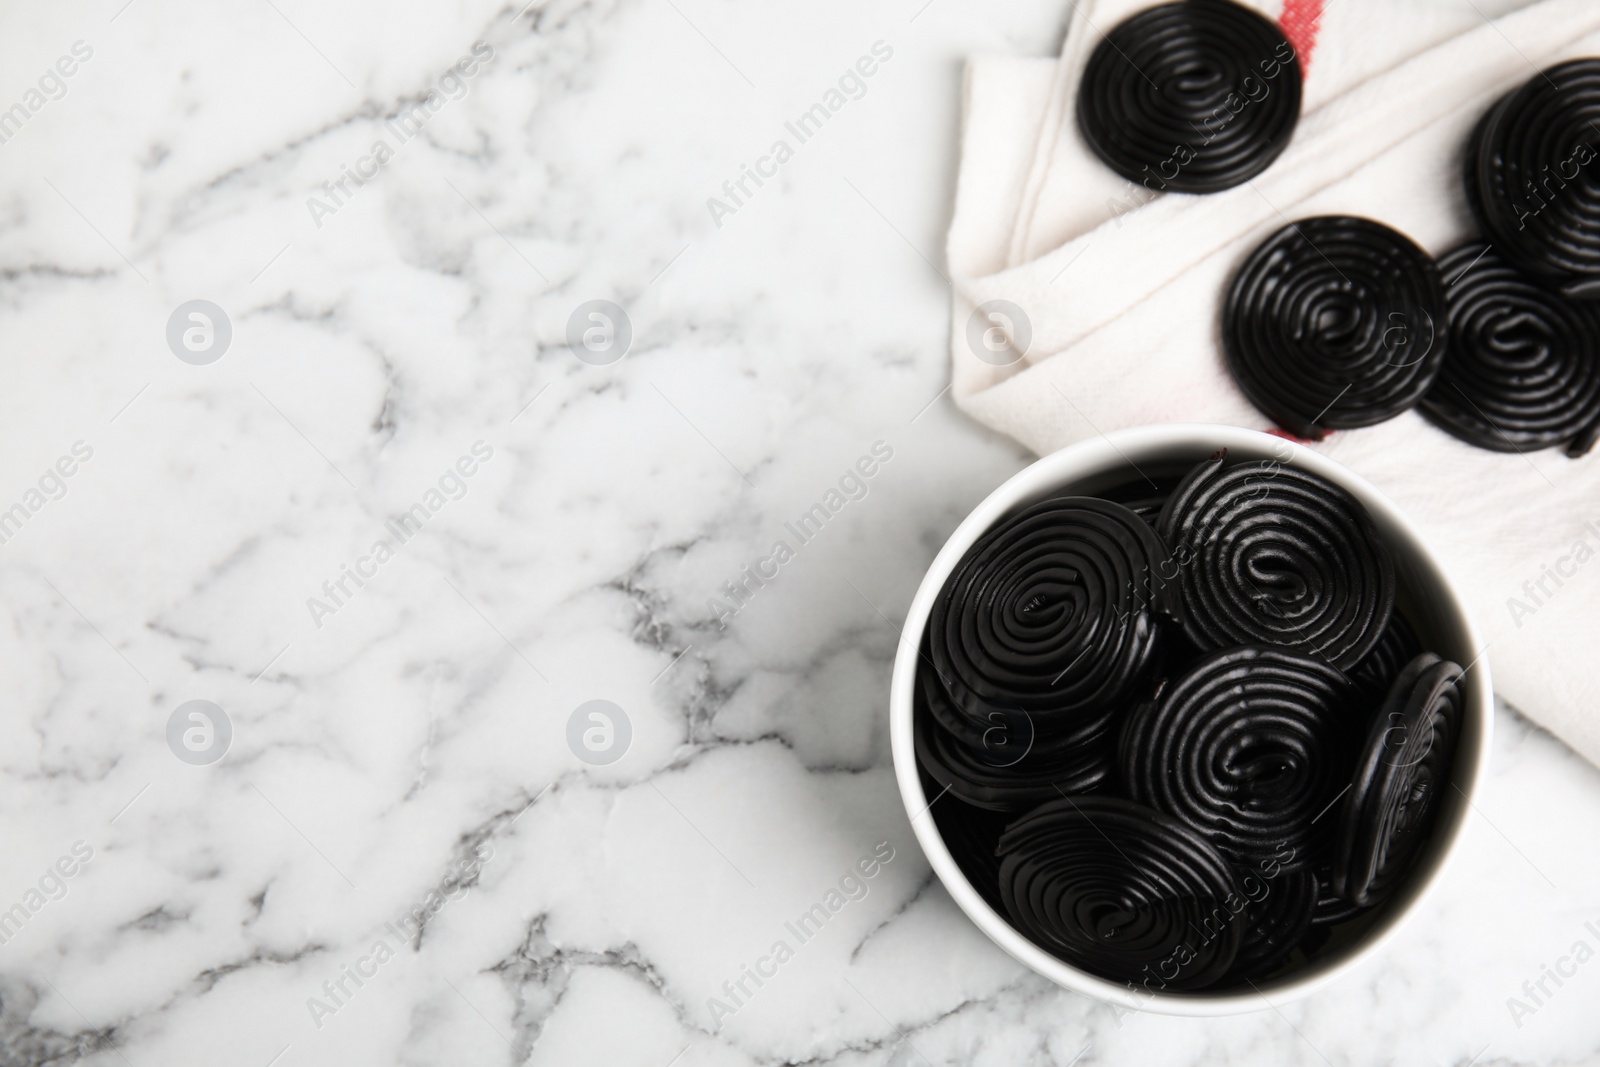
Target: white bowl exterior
(1449, 630)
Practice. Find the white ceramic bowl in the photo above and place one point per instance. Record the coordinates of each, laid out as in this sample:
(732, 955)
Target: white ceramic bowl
(1431, 603)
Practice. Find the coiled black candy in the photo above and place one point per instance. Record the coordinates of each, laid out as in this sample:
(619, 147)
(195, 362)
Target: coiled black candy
(1268, 554)
(1523, 366)
(1122, 891)
(1144, 496)
(1332, 909)
(1054, 613)
(1278, 916)
(1006, 769)
(1533, 179)
(1248, 749)
(971, 835)
(1193, 97)
(1379, 668)
(1333, 323)
(1387, 813)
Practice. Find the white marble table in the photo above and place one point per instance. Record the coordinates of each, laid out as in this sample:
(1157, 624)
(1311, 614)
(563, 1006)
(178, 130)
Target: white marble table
(398, 857)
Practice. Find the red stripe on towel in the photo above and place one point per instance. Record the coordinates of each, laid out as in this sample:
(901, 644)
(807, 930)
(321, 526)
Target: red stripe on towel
(1301, 20)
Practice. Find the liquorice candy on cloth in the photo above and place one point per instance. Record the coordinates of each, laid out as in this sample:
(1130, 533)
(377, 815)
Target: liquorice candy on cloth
(1522, 369)
(1122, 891)
(1395, 790)
(1269, 554)
(1334, 322)
(1533, 181)
(1192, 97)
(1054, 612)
(1247, 749)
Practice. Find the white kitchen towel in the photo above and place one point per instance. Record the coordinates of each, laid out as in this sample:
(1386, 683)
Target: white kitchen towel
(1123, 315)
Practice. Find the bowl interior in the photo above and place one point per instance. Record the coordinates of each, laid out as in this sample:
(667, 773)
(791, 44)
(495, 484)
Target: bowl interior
(1425, 595)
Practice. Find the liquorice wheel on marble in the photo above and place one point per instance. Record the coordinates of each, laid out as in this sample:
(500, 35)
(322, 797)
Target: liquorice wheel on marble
(1333, 323)
(1393, 795)
(1194, 97)
(1123, 891)
(1248, 749)
(1378, 669)
(1523, 365)
(1533, 181)
(1055, 612)
(1005, 775)
(1277, 921)
(1269, 554)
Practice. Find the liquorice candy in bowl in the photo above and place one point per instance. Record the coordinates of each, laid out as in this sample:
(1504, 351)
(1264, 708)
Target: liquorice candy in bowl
(1377, 670)
(1109, 932)
(1247, 749)
(1006, 768)
(1120, 890)
(1193, 97)
(1273, 554)
(1333, 323)
(1396, 786)
(1053, 613)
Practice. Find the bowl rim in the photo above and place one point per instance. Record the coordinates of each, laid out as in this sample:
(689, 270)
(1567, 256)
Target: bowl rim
(1087, 458)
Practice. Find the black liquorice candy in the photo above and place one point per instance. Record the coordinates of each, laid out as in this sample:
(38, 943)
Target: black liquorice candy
(1269, 554)
(1180, 734)
(1192, 97)
(1523, 365)
(1123, 891)
(1533, 180)
(1334, 322)
(1144, 496)
(1247, 749)
(1278, 915)
(1379, 668)
(1389, 808)
(1331, 908)
(1006, 769)
(1054, 613)
(971, 835)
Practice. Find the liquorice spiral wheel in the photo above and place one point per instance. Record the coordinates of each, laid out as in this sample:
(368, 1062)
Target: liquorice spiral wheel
(1145, 496)
(1333, 323)
(1054, 612)
(1248, 749)
(1122, 891)
(1533, 179)
(1270, 554)
(1523, 365)
(1379, 668)
(1277, 921)
(1393, 795)
(1004, 773)
(1194, 97)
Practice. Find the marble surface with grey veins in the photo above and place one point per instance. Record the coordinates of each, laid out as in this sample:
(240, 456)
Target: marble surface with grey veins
(368, 507)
